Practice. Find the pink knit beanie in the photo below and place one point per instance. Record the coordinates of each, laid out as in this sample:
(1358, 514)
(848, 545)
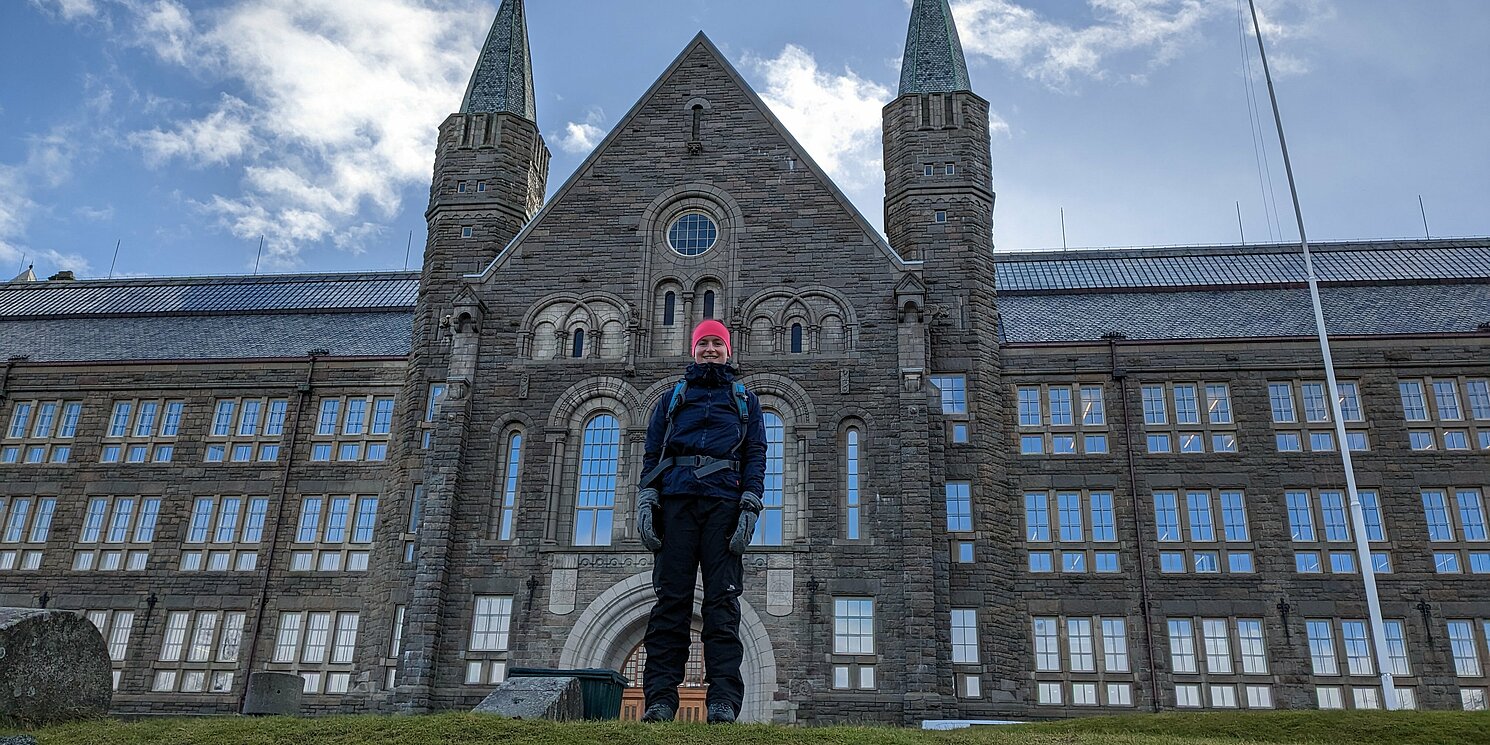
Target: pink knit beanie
(711, 327)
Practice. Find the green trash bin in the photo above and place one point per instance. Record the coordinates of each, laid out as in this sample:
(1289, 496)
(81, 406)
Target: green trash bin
(601, 688)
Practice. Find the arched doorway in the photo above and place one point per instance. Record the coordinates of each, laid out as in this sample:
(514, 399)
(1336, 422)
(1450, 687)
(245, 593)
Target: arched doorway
(692, 694)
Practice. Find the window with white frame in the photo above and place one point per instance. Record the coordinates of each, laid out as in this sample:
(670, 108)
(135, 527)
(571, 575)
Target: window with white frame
(25, 525)
(352, 428)
(334, 533)
(395, 648)
(512, 464)
(1188, 418)
(1082, 661)
(117, 533)
(1303, 420)
(40, 432)
(770, 526)
(320, 646)
(223, 534)
(853, 479)
(967, 676)
(1342, 658)
(595, 492)
(1073, 532)
(1448, 413)
(486, 650)
(951, 392)
(854, 659)
(432, 400)
(1320, 526)
(1220, 663)
(1456, 530)
(411, 531)
(959, 506)
(200, 651)
(142, 431)
(1467, 645)
(1203, 531)
(1062, 419)
(246, 429)
(114, 626)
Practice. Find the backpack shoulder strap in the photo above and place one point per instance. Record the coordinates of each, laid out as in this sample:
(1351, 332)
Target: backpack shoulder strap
(679, 392)
(742, 402)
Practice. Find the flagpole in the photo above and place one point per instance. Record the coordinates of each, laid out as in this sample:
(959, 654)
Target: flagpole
(1357, 514)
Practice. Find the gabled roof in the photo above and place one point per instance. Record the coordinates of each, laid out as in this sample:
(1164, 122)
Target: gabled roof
(933, 61)
(502, 80)
(324, 293)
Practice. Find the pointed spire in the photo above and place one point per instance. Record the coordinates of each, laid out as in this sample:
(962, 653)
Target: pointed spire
(933, 61)
(27, 276)
(503, 78)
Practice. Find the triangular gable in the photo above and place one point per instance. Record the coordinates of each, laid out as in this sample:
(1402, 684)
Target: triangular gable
(700, 40)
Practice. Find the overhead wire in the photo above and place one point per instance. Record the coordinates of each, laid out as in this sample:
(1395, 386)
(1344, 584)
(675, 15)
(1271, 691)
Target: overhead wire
(1259, 150)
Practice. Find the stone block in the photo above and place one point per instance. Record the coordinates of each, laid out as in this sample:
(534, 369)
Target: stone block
(273, 694)
(54, 667)
(555, 699)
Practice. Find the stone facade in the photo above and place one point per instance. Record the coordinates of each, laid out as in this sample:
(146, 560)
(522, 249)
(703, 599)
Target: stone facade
(508, 438)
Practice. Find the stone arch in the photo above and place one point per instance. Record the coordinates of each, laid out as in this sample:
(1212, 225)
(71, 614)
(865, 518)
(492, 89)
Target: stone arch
(787, 390)
(829, 323)
(547, 329)
(615, 622)
(574, 399)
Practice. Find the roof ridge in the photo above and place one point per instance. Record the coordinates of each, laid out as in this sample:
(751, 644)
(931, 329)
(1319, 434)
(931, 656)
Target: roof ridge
(218, 279)
(1225, 249)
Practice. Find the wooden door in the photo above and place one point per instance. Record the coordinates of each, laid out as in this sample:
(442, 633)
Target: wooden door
(692, 694)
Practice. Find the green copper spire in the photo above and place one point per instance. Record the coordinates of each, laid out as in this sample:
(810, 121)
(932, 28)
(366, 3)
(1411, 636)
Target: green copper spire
(933, 61)
(503, 78)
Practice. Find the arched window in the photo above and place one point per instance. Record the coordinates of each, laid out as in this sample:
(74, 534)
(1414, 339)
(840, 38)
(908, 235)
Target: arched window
(769, 529)
(709, 304)
(579, 343)
(669, 308)
(852, 503)
(509, 486)
(796, 338)
(595, 499)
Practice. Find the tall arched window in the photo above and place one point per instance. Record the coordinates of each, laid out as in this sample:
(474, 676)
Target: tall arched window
(669, 308)
(579, 343)
(595, 499)
(769, 529)
(796, 338)
(851, 483)
(709, 304)
(509, 486)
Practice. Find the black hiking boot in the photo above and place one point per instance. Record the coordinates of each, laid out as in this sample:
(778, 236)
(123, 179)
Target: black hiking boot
(659, 712)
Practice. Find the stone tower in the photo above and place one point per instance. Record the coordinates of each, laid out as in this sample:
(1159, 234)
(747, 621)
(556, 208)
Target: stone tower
(490, 172)
(939, 211)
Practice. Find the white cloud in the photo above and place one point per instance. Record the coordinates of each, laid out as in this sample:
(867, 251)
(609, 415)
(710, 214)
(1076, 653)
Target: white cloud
(582, 137)
(48, 163)
(166, 27)
(222, 136)
(70, 10)
(95, 214)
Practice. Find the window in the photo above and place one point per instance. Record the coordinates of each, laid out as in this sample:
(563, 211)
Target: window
(334, 533)
(246, 429)
(578, 351)
(25, 525)
(1060, 419)
(1308, 425)
(596, 492)
(1320, 525)
(480, 187)
(692, 234)
(223, 534)
(1086, 657)
(952, 392)
(116, 534)
(1219, 663)
(967, 681)
(708, 303)
(959, 507)
(486, 652)
(1202, 418)
(199, 653)
(1073, 532)
(416, 514)
(796, 338)
(352, 428)
(432, 405)
(466, 231)
(512, 468)
(1437, 417)
(770, 527)
(115, 626)
(142, 431)
(670, 308)
(1341, 651)
(940, 216)
(951, 169)
(1467, 640)
(1456, 530)
(395, 648)
(40, 432)
(853, 503)
(853, 659)
(1203, 531)
(928, 169)
(319, 645)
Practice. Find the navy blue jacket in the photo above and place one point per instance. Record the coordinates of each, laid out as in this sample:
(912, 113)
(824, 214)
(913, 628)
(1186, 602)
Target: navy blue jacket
(707, 422)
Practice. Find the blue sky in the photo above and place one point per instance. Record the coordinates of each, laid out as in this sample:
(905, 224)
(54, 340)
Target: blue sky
(185, 130)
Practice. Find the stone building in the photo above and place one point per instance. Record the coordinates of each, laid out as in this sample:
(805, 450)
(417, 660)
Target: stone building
(1000, 484)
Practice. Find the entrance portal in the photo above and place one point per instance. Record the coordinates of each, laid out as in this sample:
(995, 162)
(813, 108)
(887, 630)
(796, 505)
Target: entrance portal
(692, 694)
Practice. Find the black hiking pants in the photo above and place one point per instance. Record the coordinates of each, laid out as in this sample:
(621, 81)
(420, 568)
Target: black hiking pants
(695, 534)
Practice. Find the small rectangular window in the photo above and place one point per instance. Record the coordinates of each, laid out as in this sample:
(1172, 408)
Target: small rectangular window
(941, 216)
(466, 231)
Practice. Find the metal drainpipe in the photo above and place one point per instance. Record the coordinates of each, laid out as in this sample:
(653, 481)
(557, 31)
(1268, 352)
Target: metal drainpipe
(279, 518)
(1120, 377)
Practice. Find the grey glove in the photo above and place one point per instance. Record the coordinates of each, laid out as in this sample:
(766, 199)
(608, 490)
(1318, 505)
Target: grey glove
(750, 511)
(647, 503)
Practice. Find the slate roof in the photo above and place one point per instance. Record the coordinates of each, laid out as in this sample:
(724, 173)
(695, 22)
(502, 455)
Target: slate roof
(502, 80)
(933, 61)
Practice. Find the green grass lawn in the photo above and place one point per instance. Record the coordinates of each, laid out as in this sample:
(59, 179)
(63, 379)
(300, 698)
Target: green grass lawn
(1345, 728)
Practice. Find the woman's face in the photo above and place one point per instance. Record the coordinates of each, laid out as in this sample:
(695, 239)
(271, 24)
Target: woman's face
(710, 349)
